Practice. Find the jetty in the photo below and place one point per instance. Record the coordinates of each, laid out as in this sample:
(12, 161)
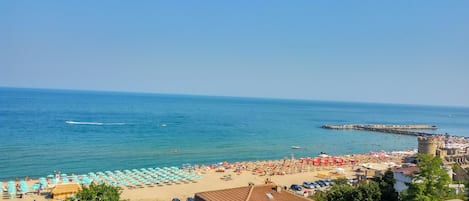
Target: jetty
(412, 130)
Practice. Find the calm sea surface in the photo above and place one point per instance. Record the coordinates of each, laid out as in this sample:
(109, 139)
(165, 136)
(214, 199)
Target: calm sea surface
(78, 132)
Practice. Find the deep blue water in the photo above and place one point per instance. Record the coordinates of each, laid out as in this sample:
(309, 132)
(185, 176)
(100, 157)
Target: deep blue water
(131, 130)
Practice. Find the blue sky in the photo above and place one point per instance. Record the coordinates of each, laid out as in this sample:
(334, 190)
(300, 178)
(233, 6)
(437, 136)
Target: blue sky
(414, 52)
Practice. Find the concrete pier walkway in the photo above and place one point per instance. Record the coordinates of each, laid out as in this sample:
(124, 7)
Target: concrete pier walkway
(387, 128)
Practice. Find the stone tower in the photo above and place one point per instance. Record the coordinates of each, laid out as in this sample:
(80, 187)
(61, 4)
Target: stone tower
(428, 145)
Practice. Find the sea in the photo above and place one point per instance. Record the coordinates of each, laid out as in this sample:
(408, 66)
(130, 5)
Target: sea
(44, 130)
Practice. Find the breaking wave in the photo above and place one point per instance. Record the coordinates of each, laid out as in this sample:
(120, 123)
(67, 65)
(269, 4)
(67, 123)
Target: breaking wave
(92, 123)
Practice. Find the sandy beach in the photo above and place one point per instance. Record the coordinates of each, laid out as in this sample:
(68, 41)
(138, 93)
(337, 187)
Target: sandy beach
(283, 172)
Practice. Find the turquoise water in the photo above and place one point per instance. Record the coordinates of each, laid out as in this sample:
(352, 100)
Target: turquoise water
(109, 131)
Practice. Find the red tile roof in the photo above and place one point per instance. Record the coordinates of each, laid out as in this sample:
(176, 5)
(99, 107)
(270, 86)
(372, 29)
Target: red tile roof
(233, 194)
(249, 193)
(407, 170)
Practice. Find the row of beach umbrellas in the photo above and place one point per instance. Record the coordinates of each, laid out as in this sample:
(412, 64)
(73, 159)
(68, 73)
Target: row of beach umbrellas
(130, 178)
(23, 187)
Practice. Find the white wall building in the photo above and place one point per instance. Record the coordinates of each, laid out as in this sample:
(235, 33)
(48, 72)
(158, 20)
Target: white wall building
(403, 175)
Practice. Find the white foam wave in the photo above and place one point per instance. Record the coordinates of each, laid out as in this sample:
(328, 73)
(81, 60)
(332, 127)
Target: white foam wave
(92, 123)
(114, 123)
(84, 123)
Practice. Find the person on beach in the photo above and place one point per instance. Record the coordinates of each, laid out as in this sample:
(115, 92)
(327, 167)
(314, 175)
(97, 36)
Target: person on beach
(18, 189)
(39, 189)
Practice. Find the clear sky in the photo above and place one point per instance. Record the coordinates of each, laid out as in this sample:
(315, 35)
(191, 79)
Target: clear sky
(413, 52)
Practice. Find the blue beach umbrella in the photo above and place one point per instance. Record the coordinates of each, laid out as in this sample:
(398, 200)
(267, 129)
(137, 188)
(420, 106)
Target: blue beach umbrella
(43, 182)
(86, 179)
(95, 177)
(34, 187)
(75, 179)
(11, 188)
(24, 186)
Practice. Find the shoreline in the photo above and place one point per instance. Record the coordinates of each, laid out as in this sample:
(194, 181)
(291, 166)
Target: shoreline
(16, 178)
(229, 175)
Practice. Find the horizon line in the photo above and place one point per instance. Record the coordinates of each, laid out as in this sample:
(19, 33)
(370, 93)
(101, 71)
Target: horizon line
(231, 96)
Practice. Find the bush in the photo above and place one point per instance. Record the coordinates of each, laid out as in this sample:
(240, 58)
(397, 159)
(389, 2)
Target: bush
(97, 192)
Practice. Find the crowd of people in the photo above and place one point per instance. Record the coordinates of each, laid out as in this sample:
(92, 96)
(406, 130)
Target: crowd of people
(323, 162)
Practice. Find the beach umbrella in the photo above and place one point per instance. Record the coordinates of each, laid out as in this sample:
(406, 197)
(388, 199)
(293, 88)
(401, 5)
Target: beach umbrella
(317, 161)
(35, 186)
(11, 188)
(43, 181)
(24, 186)
(324, 161)
(340, 161)
(75, 179)
(65, 180)
(85, 179)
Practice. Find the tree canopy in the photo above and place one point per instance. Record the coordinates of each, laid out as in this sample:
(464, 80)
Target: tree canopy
(342, 191)
(386, 184)
(431, 181)
(100, 192)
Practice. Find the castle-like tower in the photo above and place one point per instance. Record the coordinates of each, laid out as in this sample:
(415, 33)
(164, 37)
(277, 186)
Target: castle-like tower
(428, 145)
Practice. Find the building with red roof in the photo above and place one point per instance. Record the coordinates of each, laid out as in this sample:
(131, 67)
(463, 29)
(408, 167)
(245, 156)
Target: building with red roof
(267, 192)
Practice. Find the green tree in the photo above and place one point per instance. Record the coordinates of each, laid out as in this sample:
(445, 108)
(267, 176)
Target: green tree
(319, 196)
(430, 183)
(367, 192)
(386, 184)
(466, 186)
(460, 177)
(342, 191)
(340, 181)
(97, 192)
